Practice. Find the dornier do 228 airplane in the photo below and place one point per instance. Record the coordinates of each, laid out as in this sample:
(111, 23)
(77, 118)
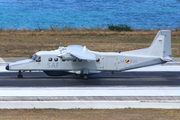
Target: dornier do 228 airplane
(79, 60)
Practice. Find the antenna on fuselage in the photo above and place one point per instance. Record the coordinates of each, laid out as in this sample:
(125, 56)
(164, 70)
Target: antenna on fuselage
(56, 43)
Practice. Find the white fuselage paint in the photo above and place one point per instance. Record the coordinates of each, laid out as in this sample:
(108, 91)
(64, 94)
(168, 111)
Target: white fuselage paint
(108, 61)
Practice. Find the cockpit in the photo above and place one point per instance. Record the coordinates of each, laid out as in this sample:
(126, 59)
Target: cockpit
(36, 58)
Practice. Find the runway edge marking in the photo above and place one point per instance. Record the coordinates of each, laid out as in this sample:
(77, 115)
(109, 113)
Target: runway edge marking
(85, 105)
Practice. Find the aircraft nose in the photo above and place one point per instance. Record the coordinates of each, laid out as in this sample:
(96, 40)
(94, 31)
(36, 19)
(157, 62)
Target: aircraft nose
(7, 67)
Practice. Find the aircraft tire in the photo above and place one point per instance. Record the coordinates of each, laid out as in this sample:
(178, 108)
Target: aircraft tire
(20, 76)
(85, 76)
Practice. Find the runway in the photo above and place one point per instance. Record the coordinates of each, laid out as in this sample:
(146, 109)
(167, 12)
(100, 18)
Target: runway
(40, 79)
(150, 87)
(121, 90)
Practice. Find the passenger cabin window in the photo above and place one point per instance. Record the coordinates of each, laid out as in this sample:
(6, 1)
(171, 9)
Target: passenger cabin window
(50, 59)
(38, 59)
(55, 59)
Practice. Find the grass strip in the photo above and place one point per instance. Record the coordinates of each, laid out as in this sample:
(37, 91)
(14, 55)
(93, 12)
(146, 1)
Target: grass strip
(24, 43)
(90, 114)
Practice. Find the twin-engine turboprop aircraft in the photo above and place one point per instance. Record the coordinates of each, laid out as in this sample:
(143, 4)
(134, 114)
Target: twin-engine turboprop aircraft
(79, 60)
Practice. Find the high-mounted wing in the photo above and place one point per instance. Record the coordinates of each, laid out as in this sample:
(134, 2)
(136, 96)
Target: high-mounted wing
(80, 52)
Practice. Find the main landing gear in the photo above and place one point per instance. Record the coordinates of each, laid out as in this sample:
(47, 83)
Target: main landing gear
(84, 76)
(20, 75)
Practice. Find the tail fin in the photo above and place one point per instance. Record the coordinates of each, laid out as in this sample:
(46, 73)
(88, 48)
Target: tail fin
(161, 46)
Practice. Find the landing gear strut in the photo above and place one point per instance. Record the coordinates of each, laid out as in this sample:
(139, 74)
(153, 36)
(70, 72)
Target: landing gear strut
(20, 75)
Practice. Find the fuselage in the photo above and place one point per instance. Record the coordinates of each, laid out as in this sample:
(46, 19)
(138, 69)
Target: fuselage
(50, 63)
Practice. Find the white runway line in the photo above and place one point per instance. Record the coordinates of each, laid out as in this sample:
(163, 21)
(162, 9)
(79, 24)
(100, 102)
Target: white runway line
(2, 61)
(91, 91)
(2, 69)
(85, 104)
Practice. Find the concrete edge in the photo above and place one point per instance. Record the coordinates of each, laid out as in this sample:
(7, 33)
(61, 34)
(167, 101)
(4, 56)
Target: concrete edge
(86, 105)
(92, 98)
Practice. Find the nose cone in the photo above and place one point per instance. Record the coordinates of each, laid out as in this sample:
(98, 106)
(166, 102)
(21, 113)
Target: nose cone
(7, 67)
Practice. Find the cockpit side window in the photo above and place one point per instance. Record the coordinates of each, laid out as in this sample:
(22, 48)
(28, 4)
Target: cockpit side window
(38, 59)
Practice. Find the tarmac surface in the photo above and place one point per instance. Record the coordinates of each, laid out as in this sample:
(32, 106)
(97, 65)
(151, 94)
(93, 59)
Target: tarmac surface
(124, 79)
(150, 87)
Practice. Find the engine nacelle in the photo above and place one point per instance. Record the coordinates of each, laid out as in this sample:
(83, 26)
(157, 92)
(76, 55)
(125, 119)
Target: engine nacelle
(67, 56)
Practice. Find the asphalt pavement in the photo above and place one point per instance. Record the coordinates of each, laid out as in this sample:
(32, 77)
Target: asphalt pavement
(150, 87)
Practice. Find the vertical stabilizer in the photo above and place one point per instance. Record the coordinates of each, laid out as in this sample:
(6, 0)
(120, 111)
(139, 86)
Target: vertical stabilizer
(161, 45)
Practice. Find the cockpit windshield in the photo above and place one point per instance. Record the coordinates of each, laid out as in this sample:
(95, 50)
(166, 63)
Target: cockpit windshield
(33, 57)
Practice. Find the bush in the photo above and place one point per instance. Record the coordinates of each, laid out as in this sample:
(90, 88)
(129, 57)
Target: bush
(1, 29)
(119, 27)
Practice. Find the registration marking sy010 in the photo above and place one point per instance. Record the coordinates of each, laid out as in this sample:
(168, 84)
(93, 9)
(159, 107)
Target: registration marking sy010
(128, 61)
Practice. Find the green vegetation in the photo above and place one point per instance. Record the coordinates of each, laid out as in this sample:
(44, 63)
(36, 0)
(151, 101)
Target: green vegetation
(1, 29)
(119, 27)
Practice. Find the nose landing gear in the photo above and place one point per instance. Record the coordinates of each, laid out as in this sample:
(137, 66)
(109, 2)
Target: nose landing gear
(20, 75)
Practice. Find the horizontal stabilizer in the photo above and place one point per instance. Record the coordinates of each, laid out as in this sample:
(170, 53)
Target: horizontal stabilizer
(167, 59)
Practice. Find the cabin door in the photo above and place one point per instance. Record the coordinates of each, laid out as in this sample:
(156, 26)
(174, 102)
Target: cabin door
(111, 62)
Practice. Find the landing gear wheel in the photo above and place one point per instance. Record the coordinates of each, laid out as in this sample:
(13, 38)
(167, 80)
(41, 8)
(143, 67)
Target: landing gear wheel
(20, 75)
(85, 76)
